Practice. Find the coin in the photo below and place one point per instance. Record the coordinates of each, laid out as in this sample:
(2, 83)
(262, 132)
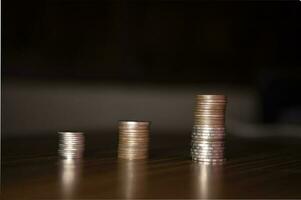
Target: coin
(202, 144)
(207, 151)
(129, 139)
(208, 137)
(135, 125)
(71, 145)
(211, 97)
(137, 133)
(210, 160)
(133, 139)
(208, 133)
(210, 107)
(210, 122)
(133, 134)
(208, 127)
(127, 157)
(207, 156)
(134, 122)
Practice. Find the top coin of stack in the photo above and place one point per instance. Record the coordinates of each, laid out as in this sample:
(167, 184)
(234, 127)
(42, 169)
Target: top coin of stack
(209, 129)
(133, 139)
(71, 145)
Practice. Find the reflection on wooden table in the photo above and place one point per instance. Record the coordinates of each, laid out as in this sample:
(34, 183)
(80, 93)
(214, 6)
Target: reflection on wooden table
(255, 168)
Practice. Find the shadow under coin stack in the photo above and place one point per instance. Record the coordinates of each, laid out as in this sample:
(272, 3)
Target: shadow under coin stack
(133, 139)
(71, 145)
(209, 129)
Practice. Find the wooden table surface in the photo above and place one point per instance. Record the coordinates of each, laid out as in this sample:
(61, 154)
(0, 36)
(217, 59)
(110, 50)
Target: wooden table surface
(256, 168)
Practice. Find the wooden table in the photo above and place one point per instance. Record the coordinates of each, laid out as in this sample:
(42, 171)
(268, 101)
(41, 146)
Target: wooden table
(256, 168)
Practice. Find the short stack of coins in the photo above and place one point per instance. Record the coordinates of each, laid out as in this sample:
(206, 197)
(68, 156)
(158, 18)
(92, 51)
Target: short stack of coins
(71, 145)
(208, 132)
(133, 139)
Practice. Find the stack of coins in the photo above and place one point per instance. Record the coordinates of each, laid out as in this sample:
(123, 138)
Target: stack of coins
(133, 140)
(71, 145)
(209, 129)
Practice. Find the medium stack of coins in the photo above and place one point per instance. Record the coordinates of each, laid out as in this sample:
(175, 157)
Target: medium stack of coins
(133, 140)
(209, 129)
(71, 145)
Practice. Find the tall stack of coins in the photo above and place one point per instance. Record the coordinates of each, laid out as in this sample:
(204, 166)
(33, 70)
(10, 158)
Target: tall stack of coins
(209, 129)
(133, 139)
(71, 145)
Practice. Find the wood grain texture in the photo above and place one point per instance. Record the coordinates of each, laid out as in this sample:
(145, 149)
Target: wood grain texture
(265, 168)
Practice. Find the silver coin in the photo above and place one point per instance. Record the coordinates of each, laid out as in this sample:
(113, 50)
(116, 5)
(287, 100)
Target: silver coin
(71, 144)
(208, 127)
(125, 149)
(209, 132)
(70, 133)
(138, 142)
(207, 155)
(207, 142)
(210, 159)
(198, 133)
(129, 137)
(132, 147)
(132, 153)
(133, 130)
(132, 157)
(209, 114)
(199, 139)
(71, 155)
(71, 149)
(200, 136)
(133, 136)
(207, 148)
(135, 142)
(208, 163)
(208, 137)
(207, 151)
(204, 153)
(134, 122)
(215, 156)
(75, 135)
(71, 139)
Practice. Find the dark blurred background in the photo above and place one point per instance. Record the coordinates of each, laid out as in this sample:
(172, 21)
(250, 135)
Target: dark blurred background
(85, 64)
